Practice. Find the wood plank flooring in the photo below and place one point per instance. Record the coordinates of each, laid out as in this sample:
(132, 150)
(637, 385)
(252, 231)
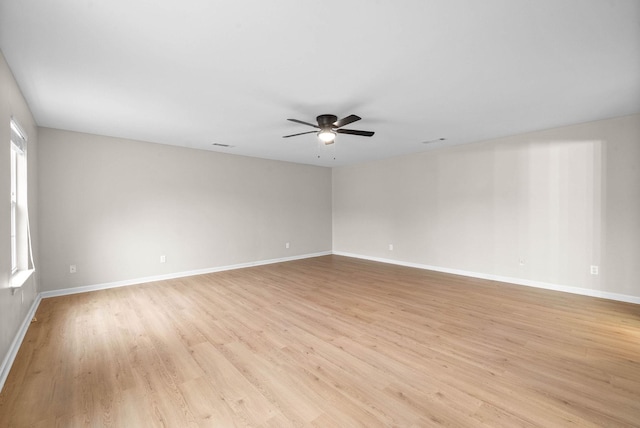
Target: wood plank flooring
(327, 342)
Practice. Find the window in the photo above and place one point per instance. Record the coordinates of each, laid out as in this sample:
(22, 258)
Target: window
(21, 257)
(14, 206)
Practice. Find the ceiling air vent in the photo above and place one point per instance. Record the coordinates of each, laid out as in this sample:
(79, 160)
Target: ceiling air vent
(433, 141)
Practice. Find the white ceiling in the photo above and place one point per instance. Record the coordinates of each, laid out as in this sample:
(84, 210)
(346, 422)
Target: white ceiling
(195, 72)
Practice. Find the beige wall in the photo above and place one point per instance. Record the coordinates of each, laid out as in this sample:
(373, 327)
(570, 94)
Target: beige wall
(559, 200)
(112, 207)
(15, 307)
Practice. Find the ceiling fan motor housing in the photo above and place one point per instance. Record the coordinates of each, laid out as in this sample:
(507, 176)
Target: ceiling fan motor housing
(326, 120)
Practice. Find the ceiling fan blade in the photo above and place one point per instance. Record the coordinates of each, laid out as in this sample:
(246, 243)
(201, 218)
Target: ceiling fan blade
(304, 123)
(301, 133)
(355, 132)
(346, 120)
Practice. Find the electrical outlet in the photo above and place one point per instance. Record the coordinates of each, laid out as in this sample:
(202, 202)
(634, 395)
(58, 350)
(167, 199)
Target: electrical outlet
(521, 261)
(390, 247)
(72, 269)
(163, 259)
(286, 245)
(594, 270)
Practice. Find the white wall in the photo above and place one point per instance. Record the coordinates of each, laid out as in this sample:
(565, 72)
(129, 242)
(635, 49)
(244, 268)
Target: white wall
(112, 207)
(560, 200)
(14, 307)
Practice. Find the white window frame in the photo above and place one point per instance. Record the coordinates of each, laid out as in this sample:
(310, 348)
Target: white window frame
(22, 266)
(14, 208)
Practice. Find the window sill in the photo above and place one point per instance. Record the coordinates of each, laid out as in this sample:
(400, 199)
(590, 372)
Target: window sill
(19, 278)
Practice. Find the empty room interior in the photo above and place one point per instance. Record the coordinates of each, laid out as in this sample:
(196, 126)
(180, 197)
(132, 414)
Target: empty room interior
(338, 214)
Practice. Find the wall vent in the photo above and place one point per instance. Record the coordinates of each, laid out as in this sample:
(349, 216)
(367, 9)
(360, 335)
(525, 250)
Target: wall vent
(222, 145)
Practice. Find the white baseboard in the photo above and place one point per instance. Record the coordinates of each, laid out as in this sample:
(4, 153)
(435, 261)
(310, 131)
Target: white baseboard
(518, 281)
(104, 286)
(5, 368)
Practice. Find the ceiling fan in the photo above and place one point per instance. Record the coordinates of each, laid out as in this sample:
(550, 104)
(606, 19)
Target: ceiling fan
(329, 126)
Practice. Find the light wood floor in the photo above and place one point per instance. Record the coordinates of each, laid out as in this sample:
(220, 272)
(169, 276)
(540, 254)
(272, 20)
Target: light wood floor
(327, 342)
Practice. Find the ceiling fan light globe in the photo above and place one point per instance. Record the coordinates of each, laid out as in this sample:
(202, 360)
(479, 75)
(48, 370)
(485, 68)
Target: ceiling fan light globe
(327, 136)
